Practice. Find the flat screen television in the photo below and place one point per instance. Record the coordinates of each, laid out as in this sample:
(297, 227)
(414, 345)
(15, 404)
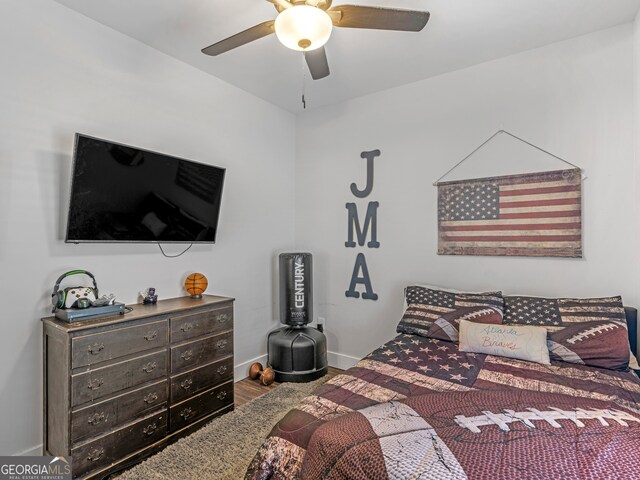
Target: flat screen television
(121, 193)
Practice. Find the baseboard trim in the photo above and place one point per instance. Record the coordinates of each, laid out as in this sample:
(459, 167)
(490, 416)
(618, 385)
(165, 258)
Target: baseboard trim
(241, 370)
(30, 452)
(341, 361)
(337, 360)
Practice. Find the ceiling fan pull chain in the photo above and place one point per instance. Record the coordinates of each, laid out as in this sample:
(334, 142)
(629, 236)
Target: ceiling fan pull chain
(304, 77)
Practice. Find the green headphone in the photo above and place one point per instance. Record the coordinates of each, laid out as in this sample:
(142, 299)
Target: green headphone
(59, 297)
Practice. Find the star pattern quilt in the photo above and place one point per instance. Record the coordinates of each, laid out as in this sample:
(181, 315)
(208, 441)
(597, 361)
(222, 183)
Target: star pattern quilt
(417, 408)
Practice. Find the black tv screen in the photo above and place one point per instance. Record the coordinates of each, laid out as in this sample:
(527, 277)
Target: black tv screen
(126, 194)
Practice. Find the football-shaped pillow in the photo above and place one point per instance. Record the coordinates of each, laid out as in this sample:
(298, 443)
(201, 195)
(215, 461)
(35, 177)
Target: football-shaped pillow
(603, 344)
(448, 325)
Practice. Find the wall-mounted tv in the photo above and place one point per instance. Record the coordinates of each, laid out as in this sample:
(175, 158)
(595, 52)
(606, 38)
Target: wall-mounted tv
(121, 193)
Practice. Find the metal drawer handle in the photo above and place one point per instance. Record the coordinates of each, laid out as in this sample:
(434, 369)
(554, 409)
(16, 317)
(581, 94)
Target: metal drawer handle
(96, 418)
(186, 413)
(187, 355)
(95, 454)
(222, 369)
(149, 429)
(149, 367)
(186, 385)
(221, 344)
(95, 384)
(223, 317)
(222, 395)
(96, 348)
(152, 397)
(188, 326)
(151, 336)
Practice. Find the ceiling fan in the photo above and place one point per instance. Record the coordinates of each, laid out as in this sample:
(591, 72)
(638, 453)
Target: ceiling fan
(306, 25)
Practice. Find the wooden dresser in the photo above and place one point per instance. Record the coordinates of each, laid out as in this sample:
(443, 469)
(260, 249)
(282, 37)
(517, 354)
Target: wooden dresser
(119, 388)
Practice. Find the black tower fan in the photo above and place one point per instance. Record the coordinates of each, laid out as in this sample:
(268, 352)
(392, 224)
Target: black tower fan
(297, 353)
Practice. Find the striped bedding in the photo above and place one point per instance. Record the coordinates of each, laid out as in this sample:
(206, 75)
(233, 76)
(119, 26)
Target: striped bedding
(418, 408)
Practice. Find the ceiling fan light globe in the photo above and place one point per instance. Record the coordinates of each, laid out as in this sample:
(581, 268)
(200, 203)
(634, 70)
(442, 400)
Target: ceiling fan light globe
(303, 28)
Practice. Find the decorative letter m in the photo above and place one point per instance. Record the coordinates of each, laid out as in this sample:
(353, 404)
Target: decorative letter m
(371, 220)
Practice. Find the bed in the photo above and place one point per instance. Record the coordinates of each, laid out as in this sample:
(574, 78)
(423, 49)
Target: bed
(419, 408)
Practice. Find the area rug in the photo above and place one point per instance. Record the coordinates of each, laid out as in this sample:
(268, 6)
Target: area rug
(223, 449)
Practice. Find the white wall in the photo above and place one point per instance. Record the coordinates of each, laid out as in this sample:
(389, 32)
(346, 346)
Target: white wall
(636, 127)
(572, 98)
(63, 73)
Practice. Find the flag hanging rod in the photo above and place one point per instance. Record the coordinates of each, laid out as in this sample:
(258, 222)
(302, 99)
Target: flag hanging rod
(435, 184)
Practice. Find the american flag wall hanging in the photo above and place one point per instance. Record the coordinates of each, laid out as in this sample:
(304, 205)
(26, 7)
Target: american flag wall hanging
(531, 215)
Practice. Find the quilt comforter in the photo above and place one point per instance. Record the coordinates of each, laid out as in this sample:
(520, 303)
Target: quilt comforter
(417, 408)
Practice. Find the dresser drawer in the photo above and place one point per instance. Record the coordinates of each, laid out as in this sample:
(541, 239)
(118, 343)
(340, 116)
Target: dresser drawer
(201, 323)
(97, 383)
(91, 349)
(207, 402)
(201, 378)
(205, 350)
(109, 448)
(99, 418)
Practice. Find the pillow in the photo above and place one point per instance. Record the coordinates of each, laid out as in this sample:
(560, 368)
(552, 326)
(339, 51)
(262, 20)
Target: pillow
(596, 328)
(598, 344)
(444, 289)
(154, 224)
(633, 362)
(447, 326)
(513, 341)
(426, 305)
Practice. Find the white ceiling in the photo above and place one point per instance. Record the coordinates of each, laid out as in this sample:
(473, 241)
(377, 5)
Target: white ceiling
(460, 33)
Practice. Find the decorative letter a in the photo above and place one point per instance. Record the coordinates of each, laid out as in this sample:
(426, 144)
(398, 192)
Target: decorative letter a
(368, 294)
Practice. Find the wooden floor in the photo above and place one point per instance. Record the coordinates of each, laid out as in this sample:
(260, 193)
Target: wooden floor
(246, 389)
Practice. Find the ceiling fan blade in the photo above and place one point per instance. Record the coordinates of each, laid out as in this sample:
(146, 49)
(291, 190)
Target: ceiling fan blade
(354, 16)
(242, 38)
(281, 3)
(317, 63)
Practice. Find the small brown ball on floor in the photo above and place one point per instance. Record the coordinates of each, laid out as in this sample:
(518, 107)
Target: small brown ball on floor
(266, 375)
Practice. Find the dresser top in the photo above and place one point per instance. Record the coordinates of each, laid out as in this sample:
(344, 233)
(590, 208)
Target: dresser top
(141, 311)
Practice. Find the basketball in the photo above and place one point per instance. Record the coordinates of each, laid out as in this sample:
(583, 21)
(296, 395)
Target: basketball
(196, 284)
